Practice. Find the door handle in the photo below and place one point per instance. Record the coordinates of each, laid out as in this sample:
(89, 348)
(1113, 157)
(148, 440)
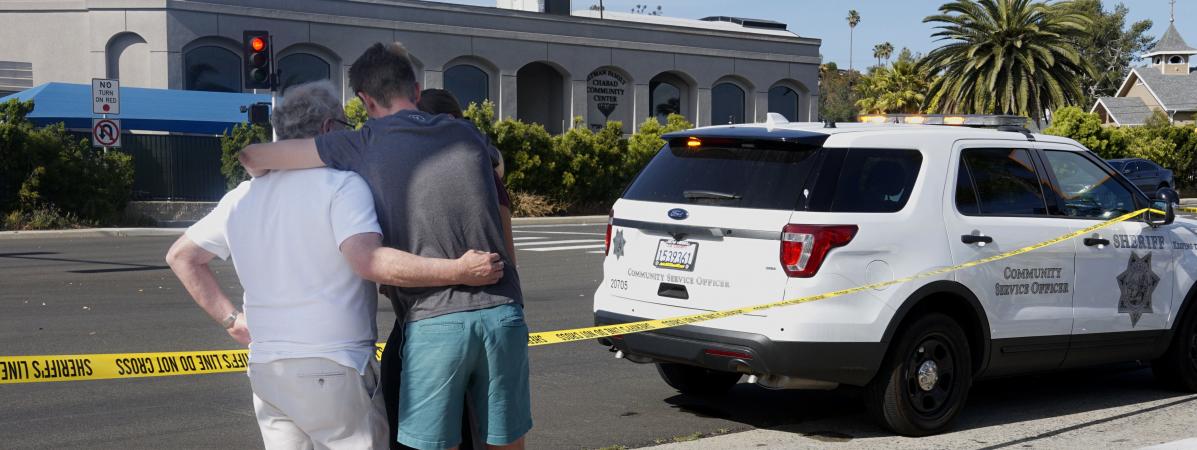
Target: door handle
(975, 239)
(1093, 242)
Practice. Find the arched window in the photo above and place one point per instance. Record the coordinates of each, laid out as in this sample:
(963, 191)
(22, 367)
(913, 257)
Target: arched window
(664, 98)
(299, 68)
(212, 68)
(784, 101)
(727, 104)
(1175, 59)
(468, 83)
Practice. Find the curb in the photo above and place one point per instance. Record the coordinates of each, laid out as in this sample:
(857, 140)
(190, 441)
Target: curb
(600, 220)
(1188, 202)
(90, 233)
(147, 232)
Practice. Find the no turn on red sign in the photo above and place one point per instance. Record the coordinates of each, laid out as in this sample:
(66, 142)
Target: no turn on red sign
(106, 133)
(106, 96)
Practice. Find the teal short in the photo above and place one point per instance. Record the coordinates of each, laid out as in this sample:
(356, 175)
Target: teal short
(484, 353)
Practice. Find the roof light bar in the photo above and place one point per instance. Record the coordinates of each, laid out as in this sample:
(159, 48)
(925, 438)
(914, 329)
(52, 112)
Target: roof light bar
(967, 120)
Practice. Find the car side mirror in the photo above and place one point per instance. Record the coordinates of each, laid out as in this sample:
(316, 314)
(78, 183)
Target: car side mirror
(1166, 197)
(1168, 194)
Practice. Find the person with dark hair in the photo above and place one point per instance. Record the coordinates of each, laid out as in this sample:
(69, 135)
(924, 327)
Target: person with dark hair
(434, 191)
(440, 101)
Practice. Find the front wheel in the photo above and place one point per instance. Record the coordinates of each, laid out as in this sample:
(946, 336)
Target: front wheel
(1177, 368)
(925, 379)
(697, 380)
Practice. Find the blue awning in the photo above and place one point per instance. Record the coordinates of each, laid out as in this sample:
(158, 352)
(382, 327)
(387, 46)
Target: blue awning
(142, 109)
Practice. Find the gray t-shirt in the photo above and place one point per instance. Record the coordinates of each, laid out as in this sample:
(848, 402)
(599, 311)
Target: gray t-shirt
(435, 195)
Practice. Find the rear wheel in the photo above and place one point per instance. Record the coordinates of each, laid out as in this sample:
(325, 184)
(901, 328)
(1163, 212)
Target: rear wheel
(925, 379)
(697, 380)
(1177, 368)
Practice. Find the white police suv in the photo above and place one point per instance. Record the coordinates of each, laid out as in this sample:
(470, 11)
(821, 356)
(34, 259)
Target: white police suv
(732, 216)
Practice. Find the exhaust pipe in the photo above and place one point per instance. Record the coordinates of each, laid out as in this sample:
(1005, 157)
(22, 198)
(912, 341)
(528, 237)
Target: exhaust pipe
(619, 354)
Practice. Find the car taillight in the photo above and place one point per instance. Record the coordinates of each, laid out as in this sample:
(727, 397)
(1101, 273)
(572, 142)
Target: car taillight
(803, 247)
(607, 240)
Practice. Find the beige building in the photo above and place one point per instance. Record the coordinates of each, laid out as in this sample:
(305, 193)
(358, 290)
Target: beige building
(1168, 85)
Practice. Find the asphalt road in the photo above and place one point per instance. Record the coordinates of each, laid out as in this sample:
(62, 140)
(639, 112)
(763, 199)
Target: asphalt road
(108, 295)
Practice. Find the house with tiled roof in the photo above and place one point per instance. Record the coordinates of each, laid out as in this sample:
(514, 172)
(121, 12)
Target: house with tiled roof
(1167, 85)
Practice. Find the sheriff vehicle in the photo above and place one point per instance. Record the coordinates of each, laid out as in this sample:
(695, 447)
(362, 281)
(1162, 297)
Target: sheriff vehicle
(732, 216)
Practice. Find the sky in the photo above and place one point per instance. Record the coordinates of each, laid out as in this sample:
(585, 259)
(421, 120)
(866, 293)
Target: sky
(899, 22)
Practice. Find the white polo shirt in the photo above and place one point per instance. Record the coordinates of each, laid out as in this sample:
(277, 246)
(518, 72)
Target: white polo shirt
(284, 232)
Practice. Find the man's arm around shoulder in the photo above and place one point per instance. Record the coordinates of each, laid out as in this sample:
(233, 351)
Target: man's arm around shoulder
(258, 159)
(372, 261)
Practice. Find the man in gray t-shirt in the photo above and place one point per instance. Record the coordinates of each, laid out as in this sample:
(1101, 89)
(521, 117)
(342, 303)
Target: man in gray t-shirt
(435, 195)
(434, 189)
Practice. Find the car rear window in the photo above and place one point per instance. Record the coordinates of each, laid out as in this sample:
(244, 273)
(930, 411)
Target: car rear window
(727, 172)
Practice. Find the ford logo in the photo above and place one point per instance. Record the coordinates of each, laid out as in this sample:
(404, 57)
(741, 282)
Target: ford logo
(678, 214)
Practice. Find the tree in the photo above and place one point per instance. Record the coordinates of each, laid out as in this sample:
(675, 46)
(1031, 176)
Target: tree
(883, 51)
(901, 88)
(231, 144)
(1110, 45)
(355, 113)
(853, 20)
(1007, 57)
(835, 94)
(48, 170)
(1086, 128)
(643, 9)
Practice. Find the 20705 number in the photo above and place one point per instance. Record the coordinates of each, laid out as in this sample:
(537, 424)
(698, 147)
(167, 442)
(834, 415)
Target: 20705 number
(619, 284)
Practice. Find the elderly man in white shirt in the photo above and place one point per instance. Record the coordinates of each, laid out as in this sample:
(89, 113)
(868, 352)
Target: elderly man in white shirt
(302, 241)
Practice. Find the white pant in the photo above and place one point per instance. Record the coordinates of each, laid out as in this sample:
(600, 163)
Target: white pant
(315, 403)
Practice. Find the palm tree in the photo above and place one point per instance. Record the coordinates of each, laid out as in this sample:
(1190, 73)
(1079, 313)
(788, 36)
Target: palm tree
(1006, 57)
(853, 20)
(883, 51)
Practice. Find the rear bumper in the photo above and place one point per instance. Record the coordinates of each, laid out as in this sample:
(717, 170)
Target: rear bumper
(852, 363)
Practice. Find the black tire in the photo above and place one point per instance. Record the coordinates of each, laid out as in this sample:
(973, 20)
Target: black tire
(895, 397)
(1177, 368)
(697, 380)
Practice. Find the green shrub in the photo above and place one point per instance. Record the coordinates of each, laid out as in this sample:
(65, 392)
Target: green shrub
(232, 143)
(646, 142)
(581, 168)
(355, 113)
(48, 169)
(46, 217)
(1170, 145)
(1087, 129)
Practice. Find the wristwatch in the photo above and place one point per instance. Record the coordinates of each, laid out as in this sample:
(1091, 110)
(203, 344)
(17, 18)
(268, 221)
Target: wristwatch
(230, 320)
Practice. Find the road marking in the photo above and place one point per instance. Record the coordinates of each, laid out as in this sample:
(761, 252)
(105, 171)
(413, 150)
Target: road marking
(568, 247)
(570, 241)
(597, 251)
(560, 232)
(528, 238)
(595, 224)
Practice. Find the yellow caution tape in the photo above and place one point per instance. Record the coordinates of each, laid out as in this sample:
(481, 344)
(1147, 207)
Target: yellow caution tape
(36, 369)
(579, 334)
(43, 369)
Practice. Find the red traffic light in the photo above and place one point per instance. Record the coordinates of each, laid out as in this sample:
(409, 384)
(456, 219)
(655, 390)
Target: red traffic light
(257, 44)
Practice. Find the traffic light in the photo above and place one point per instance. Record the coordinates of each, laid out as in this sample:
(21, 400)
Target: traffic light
(259, 60)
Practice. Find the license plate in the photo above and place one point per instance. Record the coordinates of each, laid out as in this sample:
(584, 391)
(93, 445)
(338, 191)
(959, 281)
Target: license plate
(675, 255)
